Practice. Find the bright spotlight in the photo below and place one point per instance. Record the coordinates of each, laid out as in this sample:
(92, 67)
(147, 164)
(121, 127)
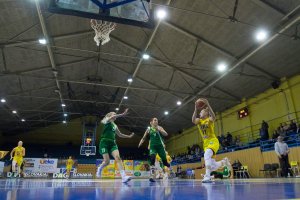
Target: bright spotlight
(63, 105)
(130, 80)
(43, 41)
(146, 56)
(14, 112)
(221, 67)
(65, 115)
(179, 103)
(166, 112)
(261, 35)
(3, 100)
(125, 97)
(161, 14)
(64, 122)
(117, 109)
(23, 120)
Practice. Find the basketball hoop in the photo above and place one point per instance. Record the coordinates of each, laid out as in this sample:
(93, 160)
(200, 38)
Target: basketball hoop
(102, 30)
(87, 153)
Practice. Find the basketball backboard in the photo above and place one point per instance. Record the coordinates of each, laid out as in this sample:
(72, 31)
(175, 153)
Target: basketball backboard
(87, 150)
(131, 12)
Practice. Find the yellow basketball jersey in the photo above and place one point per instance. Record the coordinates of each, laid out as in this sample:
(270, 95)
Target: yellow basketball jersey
(206, 129)
(70, 162)
(18, 152)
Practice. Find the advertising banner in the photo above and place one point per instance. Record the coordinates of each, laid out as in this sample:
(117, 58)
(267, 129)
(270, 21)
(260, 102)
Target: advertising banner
(128, 165)
(36, 175)
(141, 168)
(40, 165)
(136, 168)
(108, 171)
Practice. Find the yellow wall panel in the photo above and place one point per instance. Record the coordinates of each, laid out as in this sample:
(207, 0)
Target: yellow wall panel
(253, 158)
(274, 106)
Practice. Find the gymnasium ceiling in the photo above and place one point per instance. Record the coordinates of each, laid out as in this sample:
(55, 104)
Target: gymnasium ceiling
(185, 50)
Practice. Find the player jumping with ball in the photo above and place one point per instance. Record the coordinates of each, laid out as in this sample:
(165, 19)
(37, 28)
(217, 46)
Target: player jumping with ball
(205, 123)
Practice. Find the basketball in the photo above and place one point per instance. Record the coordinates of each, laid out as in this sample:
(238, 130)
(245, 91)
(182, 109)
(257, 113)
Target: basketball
(200, 104)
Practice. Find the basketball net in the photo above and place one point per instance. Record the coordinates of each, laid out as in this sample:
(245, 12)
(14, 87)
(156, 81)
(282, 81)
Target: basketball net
(102, 30)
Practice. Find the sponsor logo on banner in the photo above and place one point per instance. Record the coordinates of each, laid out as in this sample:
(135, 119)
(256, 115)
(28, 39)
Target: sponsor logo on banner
(128, 165)
(11, 174)
(46, 162)
(35, 175)
(82, 175)
(28, 175)
(60, 175)
(40, 165)
(74, 175)
(141, 168)
(137, 173)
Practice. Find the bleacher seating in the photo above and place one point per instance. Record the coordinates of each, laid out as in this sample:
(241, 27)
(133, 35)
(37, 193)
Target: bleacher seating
(292, 139)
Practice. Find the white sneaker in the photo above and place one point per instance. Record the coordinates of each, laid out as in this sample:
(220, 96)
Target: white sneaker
(126, 179)
(98, 174)
(207, 179)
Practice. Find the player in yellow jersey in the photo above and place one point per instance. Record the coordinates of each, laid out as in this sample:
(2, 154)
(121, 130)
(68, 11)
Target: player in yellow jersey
(17, 155)
(205, 123)
(69, 165)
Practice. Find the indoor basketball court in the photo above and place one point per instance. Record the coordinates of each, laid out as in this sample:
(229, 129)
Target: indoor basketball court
(149, 99)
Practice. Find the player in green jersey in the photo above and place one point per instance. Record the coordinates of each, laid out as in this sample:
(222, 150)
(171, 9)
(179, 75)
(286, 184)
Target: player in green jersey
(108, 143)
(156, 145)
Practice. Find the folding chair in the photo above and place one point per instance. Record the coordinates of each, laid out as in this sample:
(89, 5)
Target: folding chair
(267, 168)
(294, 167)
(243, 172)
(275, 167)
